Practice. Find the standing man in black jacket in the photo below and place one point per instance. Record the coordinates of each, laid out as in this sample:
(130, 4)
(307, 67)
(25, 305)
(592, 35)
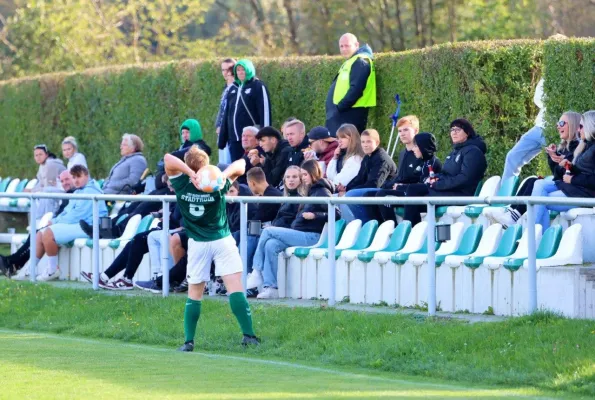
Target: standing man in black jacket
(376, 168)
(247, 105)
(353, 91)
(273, 163)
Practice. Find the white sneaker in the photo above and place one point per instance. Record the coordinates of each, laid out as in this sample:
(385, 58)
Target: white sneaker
(22, 274)
(254, 280)
(44, 277)
(505, 217)
(268, 293)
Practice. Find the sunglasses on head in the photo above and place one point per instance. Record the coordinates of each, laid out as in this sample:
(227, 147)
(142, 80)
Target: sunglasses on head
(562, 124)
(41, 147)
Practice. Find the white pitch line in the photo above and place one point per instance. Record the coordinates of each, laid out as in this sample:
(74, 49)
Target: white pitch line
(268, 362)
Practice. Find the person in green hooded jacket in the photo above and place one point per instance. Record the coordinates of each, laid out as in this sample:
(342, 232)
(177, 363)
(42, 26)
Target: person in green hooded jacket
(248, 104)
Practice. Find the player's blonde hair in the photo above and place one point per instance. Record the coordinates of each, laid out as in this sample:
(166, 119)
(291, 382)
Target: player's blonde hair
(196, 158)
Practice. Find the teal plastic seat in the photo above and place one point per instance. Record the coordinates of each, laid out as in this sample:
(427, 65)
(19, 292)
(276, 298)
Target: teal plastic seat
(19, 189)
(364, 238)
(121, 218)
(4, 184)
(469, 243)
(550, 241)
(507, 189)
(401, 258)
(397, 242)
(553, 214)
(143, 226)
(507, 246)
(303, 252)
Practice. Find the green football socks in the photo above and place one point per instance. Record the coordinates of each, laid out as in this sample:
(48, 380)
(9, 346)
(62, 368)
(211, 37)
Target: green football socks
(241, 309)
(191, 315)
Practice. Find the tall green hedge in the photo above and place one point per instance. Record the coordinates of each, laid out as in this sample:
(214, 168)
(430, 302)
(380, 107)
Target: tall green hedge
(490, 83)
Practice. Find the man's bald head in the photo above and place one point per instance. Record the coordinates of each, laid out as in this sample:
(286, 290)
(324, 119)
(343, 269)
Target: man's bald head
(66, 180)
(348, 45)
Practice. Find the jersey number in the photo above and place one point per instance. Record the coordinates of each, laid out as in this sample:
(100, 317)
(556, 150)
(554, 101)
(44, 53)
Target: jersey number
(197, 210)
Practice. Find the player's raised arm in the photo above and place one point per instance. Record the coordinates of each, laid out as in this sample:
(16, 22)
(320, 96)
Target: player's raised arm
(175, 166)
(235, 170)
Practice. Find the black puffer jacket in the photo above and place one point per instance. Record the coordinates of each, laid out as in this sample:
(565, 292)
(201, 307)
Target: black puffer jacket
(408, 170)
(376, 169)
(287, 212)
(556, 169)
(583, 171)
(276, 162)
(322, 188)
(463, 169)
(295, 155)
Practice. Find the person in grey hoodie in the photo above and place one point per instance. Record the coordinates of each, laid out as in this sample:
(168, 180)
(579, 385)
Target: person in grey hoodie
(127, 172)
(49, 170)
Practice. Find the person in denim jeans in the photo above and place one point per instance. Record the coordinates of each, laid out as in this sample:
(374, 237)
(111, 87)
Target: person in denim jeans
(305, 231)
(531, 143)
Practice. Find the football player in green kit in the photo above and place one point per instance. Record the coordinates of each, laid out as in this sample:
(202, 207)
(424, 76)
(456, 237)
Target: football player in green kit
(209, 240)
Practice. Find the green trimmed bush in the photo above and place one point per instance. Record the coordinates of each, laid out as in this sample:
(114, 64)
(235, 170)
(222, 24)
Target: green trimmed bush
(490, 83)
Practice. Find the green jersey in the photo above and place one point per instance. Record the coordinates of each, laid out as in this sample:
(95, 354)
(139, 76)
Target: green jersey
(205, 214)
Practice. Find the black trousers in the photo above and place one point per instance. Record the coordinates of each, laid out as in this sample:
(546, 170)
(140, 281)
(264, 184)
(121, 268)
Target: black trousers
(177, 274)
(131, 256)
(524, 190)
(387, 213)
(413, 211)
(21, 256)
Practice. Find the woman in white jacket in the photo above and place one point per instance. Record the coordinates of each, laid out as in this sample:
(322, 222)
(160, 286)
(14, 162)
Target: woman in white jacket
(348, 157)
(70, 152)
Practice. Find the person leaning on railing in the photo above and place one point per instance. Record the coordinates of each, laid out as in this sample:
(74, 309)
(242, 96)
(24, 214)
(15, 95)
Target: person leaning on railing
(462, 170)
(305, 230)
(579, 182)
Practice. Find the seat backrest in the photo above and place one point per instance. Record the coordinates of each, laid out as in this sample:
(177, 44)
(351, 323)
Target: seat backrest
(490, 187)
(478, 189)
(31, 184)
(12, 185)
(21, 186)
(456, 233)
(399, 237)
(382, 236)
(43, 222)
(522, 251)
(489, 241)
(131, 227)
(416, 239)
(509, 241)
(365, 236)
(570, 249)
(350, 234)
(508, 187)
(339, 229)
(121, 218)
(549, 242)
(470, 240)
(145, 223)
(4, 184)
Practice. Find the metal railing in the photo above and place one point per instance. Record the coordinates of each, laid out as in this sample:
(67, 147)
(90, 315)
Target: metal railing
(331, 202)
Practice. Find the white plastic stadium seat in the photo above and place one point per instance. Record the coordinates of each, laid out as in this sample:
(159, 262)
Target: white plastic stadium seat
(29, 186)
(457, 213)
(5, 201)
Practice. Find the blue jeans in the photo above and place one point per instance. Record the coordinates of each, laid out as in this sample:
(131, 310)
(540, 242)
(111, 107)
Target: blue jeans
(546, 188)
(252, 243)
(273, 241)
(358, 211)
(526, 149)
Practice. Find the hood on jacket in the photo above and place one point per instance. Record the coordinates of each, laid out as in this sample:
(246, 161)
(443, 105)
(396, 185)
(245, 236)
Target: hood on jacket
(322, 183)
(365, 49)
(476, 141)
(195, 130)
(426, 142)
(56, 161)
(248, 66)
(91, 187)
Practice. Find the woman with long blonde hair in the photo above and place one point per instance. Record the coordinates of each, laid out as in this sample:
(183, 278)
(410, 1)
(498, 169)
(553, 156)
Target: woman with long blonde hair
(348, 157)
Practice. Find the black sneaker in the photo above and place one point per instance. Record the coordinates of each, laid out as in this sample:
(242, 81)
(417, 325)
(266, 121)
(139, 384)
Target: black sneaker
(150, 286)
(182, 287)
(248, 340)
(252, 293)
(187, 347)
(5, 267)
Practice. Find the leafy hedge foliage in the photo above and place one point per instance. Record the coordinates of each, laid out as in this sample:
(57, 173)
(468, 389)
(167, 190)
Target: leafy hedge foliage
(490, 83)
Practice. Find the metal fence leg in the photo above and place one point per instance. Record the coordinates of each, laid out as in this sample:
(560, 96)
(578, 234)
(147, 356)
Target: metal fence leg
(244, 242)
(95, 265)
(431, 220)
(532, 264)
(33, 241)
(331, 254)
(165, 249)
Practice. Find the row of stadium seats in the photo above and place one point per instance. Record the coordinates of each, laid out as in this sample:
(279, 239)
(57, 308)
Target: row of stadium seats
(477, 269)
(10, 185)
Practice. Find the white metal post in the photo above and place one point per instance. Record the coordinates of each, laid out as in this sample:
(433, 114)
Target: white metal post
(331, 253)
(244, 242)
(532, 265)
(165, 249)
(33, 241)
(95, 265)
(431, 220)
